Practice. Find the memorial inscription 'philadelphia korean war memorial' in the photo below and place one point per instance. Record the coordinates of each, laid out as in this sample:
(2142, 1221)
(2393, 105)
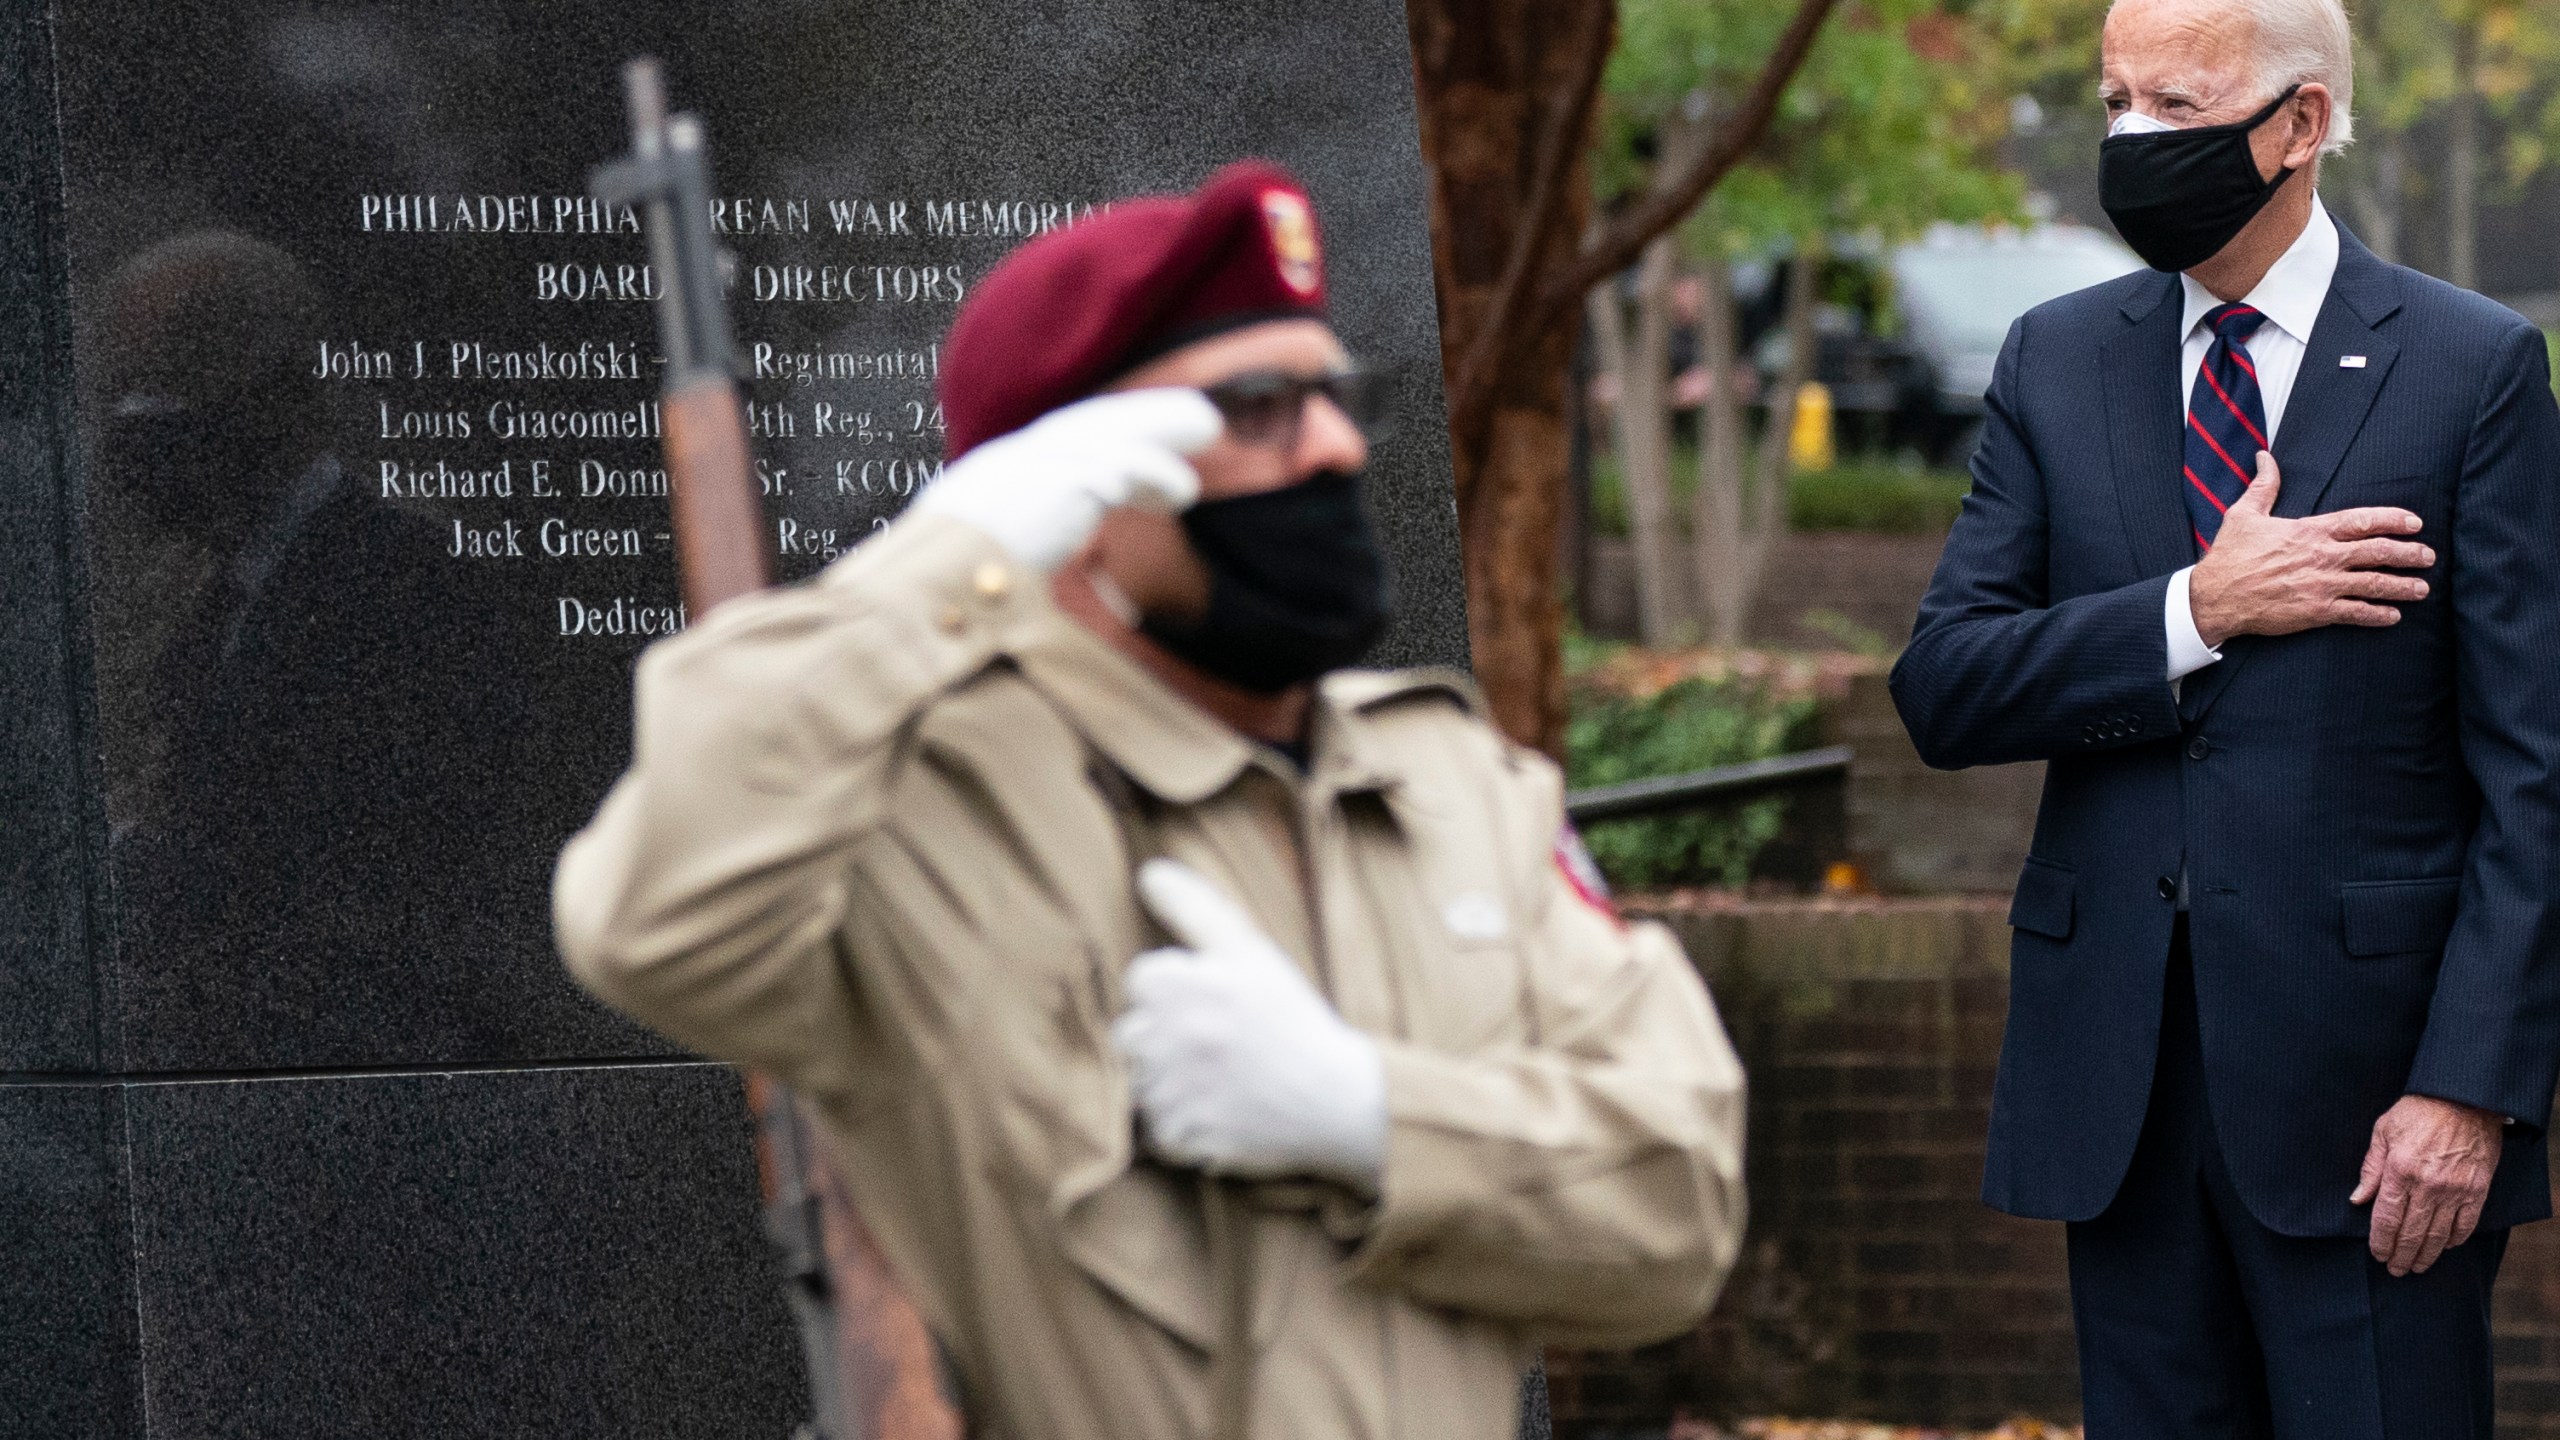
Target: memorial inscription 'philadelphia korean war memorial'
(332, 521)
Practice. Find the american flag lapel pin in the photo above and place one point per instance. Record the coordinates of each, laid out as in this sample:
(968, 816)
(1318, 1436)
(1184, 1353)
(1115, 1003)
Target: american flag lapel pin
(2350, 362)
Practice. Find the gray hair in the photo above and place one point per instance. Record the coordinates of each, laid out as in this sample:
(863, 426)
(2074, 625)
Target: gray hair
(2303, 42)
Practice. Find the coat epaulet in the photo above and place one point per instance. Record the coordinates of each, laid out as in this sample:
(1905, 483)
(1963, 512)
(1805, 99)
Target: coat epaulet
(1362, 691)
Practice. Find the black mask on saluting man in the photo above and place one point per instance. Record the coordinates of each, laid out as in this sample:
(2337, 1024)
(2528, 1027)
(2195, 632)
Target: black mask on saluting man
(1298, 585)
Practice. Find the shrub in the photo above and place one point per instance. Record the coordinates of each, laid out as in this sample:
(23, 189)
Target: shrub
(1691, 724)
(1876, 496)
(1879, 499)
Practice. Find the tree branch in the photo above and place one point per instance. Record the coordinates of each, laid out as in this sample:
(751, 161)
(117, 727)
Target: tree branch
(1471, 391)
(1618, 246)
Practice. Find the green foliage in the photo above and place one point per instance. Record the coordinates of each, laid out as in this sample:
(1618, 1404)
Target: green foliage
(1690, 725)
(1886, 130)
(2517, 74)
(2048, 49)
(2550, 342)
(1583, 654)
(1847, 634)
(1878, 499)
(1874, 496)
(2409, 68)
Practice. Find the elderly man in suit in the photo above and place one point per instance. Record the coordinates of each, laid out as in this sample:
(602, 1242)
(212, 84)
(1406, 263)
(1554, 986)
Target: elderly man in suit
(2263, 556)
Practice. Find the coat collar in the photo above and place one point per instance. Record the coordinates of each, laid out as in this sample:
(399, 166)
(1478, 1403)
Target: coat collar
(2145, 428)
(2335, 390)
(1170, 747)
(1180, 753)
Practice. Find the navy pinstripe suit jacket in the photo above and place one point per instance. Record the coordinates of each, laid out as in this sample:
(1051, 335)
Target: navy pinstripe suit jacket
(2369, 820)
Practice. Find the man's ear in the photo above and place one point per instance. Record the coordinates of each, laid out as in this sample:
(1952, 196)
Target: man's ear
(2310, 116)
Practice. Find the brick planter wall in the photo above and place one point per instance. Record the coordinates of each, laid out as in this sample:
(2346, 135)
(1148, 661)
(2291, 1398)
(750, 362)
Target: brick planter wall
(1918, 831)
(1874, 1285)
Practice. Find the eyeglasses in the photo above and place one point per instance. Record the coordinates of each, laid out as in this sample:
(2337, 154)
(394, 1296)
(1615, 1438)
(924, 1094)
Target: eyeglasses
(1269, 407)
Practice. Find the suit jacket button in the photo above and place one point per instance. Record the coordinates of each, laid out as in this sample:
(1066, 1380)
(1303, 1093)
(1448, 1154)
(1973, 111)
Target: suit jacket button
(2198, 748)
(2168, 887)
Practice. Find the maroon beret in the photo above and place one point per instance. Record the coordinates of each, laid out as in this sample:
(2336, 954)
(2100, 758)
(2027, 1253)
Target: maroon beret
(1065, 314)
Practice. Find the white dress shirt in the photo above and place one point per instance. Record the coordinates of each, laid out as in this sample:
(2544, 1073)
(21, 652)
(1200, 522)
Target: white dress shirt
(2290, 296)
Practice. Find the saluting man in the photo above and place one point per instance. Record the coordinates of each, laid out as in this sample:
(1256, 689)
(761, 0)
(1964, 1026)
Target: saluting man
(1210, 1032)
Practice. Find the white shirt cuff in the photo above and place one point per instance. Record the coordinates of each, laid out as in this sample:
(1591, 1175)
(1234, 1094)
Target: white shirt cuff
(2187, 651)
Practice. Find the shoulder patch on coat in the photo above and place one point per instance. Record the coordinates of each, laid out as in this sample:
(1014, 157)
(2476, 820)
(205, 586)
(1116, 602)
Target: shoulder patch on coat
(1581, 872)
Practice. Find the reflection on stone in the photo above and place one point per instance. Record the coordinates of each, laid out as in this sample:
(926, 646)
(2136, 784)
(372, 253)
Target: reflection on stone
(326, 732)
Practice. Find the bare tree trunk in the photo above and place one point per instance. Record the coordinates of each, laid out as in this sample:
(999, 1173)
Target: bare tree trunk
(2378, 168)
(2391, 179)
(1716, 521)
(2381, 184)
(1748, 514)
(1777, 443)
(1644, 447)
(1503, 92)
(2462, 165)
(1515, 608)
(1573, 532)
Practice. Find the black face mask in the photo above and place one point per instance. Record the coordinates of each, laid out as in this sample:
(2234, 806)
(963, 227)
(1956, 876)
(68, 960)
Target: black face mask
(1297, 585)
(2178, 196)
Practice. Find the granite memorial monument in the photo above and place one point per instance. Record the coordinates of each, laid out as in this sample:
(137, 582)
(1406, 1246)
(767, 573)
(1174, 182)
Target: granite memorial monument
(331, 522)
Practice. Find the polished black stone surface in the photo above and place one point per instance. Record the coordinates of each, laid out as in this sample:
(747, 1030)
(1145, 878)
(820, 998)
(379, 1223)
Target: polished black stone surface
(328, 538)
(543, 1252)
(361, 634)
(555, 1252)
(48, 1014)
(67, 1339)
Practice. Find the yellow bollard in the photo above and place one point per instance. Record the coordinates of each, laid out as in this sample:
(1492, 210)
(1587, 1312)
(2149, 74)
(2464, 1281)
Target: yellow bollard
(1810, 447)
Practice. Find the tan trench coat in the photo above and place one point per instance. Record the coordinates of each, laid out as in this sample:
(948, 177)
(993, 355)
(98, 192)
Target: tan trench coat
(877, 839)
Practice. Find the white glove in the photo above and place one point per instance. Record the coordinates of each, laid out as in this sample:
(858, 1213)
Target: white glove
(1241, 1067)
(1039, 491)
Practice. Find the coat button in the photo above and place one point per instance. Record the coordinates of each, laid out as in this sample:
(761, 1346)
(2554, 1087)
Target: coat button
(2168, 887)
(2198, 748)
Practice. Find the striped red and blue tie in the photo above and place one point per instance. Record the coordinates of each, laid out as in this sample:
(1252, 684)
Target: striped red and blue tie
(2226, 421)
